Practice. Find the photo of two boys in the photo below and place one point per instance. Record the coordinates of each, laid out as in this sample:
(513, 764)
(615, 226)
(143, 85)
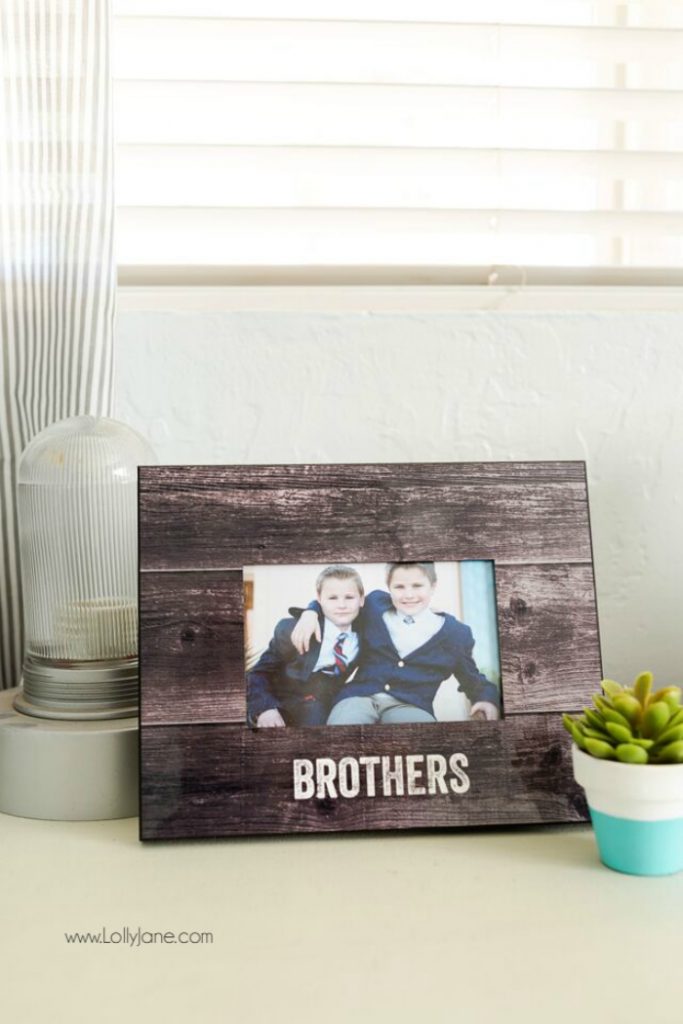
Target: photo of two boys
(392, 652)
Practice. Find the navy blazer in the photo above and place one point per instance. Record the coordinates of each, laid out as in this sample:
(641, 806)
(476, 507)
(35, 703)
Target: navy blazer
(281, 673)
(415, 678)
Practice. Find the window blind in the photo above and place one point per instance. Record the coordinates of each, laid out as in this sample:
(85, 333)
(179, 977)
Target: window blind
(279, 134)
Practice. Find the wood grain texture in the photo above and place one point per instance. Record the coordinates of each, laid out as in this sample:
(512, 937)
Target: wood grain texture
(228, 517)
(205, 773)
(191, 643)
(548, 631)
(223, 780)
(191, 648)
(394, 474)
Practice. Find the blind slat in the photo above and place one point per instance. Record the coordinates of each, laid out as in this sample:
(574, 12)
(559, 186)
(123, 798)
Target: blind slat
(281, 51)
(612, 223)
(647, 13)
(644, 165)
(263, 176)
(218, 113)
(383, 238)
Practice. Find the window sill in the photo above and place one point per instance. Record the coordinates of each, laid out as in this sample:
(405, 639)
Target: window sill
(397, 298)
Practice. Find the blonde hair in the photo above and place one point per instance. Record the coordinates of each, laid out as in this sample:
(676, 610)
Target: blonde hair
(426, 567)
(339, 572)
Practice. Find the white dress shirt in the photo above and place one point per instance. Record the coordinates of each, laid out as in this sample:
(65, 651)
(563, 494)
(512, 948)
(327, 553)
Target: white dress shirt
(407, 635)
(330, 636)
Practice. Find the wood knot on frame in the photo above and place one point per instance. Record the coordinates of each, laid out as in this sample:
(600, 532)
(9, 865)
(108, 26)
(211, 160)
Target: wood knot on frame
(518, 607)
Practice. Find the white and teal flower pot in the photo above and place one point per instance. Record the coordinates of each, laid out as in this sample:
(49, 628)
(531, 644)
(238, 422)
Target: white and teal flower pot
(637, 813)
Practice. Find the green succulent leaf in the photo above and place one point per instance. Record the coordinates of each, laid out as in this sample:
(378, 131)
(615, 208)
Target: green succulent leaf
(611, 688)
(594, 720)
(629, 753)
(596, 734)
(620, 733)
(574, 731)
(645, 744)
(674, 702)
(668, 693)
(676, 719)
(597, 748)
(629, 707)
(615, 716)
(578, 737)
(655, 718)
(642, 687)
(671, 754)
(670, 735)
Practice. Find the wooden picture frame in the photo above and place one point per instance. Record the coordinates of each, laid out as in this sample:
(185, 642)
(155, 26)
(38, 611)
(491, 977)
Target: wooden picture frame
(206, 773)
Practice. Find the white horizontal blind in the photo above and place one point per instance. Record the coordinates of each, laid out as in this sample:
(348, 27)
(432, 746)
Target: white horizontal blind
(399, 133)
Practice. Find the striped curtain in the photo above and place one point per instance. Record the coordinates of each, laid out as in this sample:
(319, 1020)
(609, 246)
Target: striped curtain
(56, 238)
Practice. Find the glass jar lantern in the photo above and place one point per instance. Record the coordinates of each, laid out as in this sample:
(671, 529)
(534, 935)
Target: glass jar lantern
(77, 501)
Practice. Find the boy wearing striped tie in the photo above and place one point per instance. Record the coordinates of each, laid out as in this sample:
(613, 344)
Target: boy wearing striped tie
(288, 688)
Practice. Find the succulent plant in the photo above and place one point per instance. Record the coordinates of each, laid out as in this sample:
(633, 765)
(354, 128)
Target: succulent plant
(632, 724)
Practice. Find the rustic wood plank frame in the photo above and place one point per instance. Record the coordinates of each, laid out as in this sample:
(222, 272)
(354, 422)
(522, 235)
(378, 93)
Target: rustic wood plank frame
(205, 773)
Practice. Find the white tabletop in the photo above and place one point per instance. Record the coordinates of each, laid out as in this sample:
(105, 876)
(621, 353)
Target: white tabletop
(521, 925)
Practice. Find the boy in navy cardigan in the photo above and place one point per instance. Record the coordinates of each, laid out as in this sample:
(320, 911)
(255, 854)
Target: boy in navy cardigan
(407, 652)
(288, 688)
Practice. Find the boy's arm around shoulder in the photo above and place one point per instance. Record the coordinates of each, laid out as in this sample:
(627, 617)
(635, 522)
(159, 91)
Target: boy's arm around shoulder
(378, 601)
(309, 624)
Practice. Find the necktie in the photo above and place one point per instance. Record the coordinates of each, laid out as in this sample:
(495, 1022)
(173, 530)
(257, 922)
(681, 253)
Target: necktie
(409, 620)
(340, 661)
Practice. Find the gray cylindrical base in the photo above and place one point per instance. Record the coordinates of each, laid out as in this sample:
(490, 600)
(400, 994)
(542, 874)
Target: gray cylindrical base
(67, 771)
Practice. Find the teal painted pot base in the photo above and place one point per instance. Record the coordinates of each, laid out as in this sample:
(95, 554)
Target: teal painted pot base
(639, 847)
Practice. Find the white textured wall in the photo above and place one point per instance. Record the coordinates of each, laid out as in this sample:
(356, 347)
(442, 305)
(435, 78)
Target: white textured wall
(296, 387)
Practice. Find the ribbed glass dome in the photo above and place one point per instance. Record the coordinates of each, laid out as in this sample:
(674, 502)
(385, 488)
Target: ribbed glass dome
(77, 496)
